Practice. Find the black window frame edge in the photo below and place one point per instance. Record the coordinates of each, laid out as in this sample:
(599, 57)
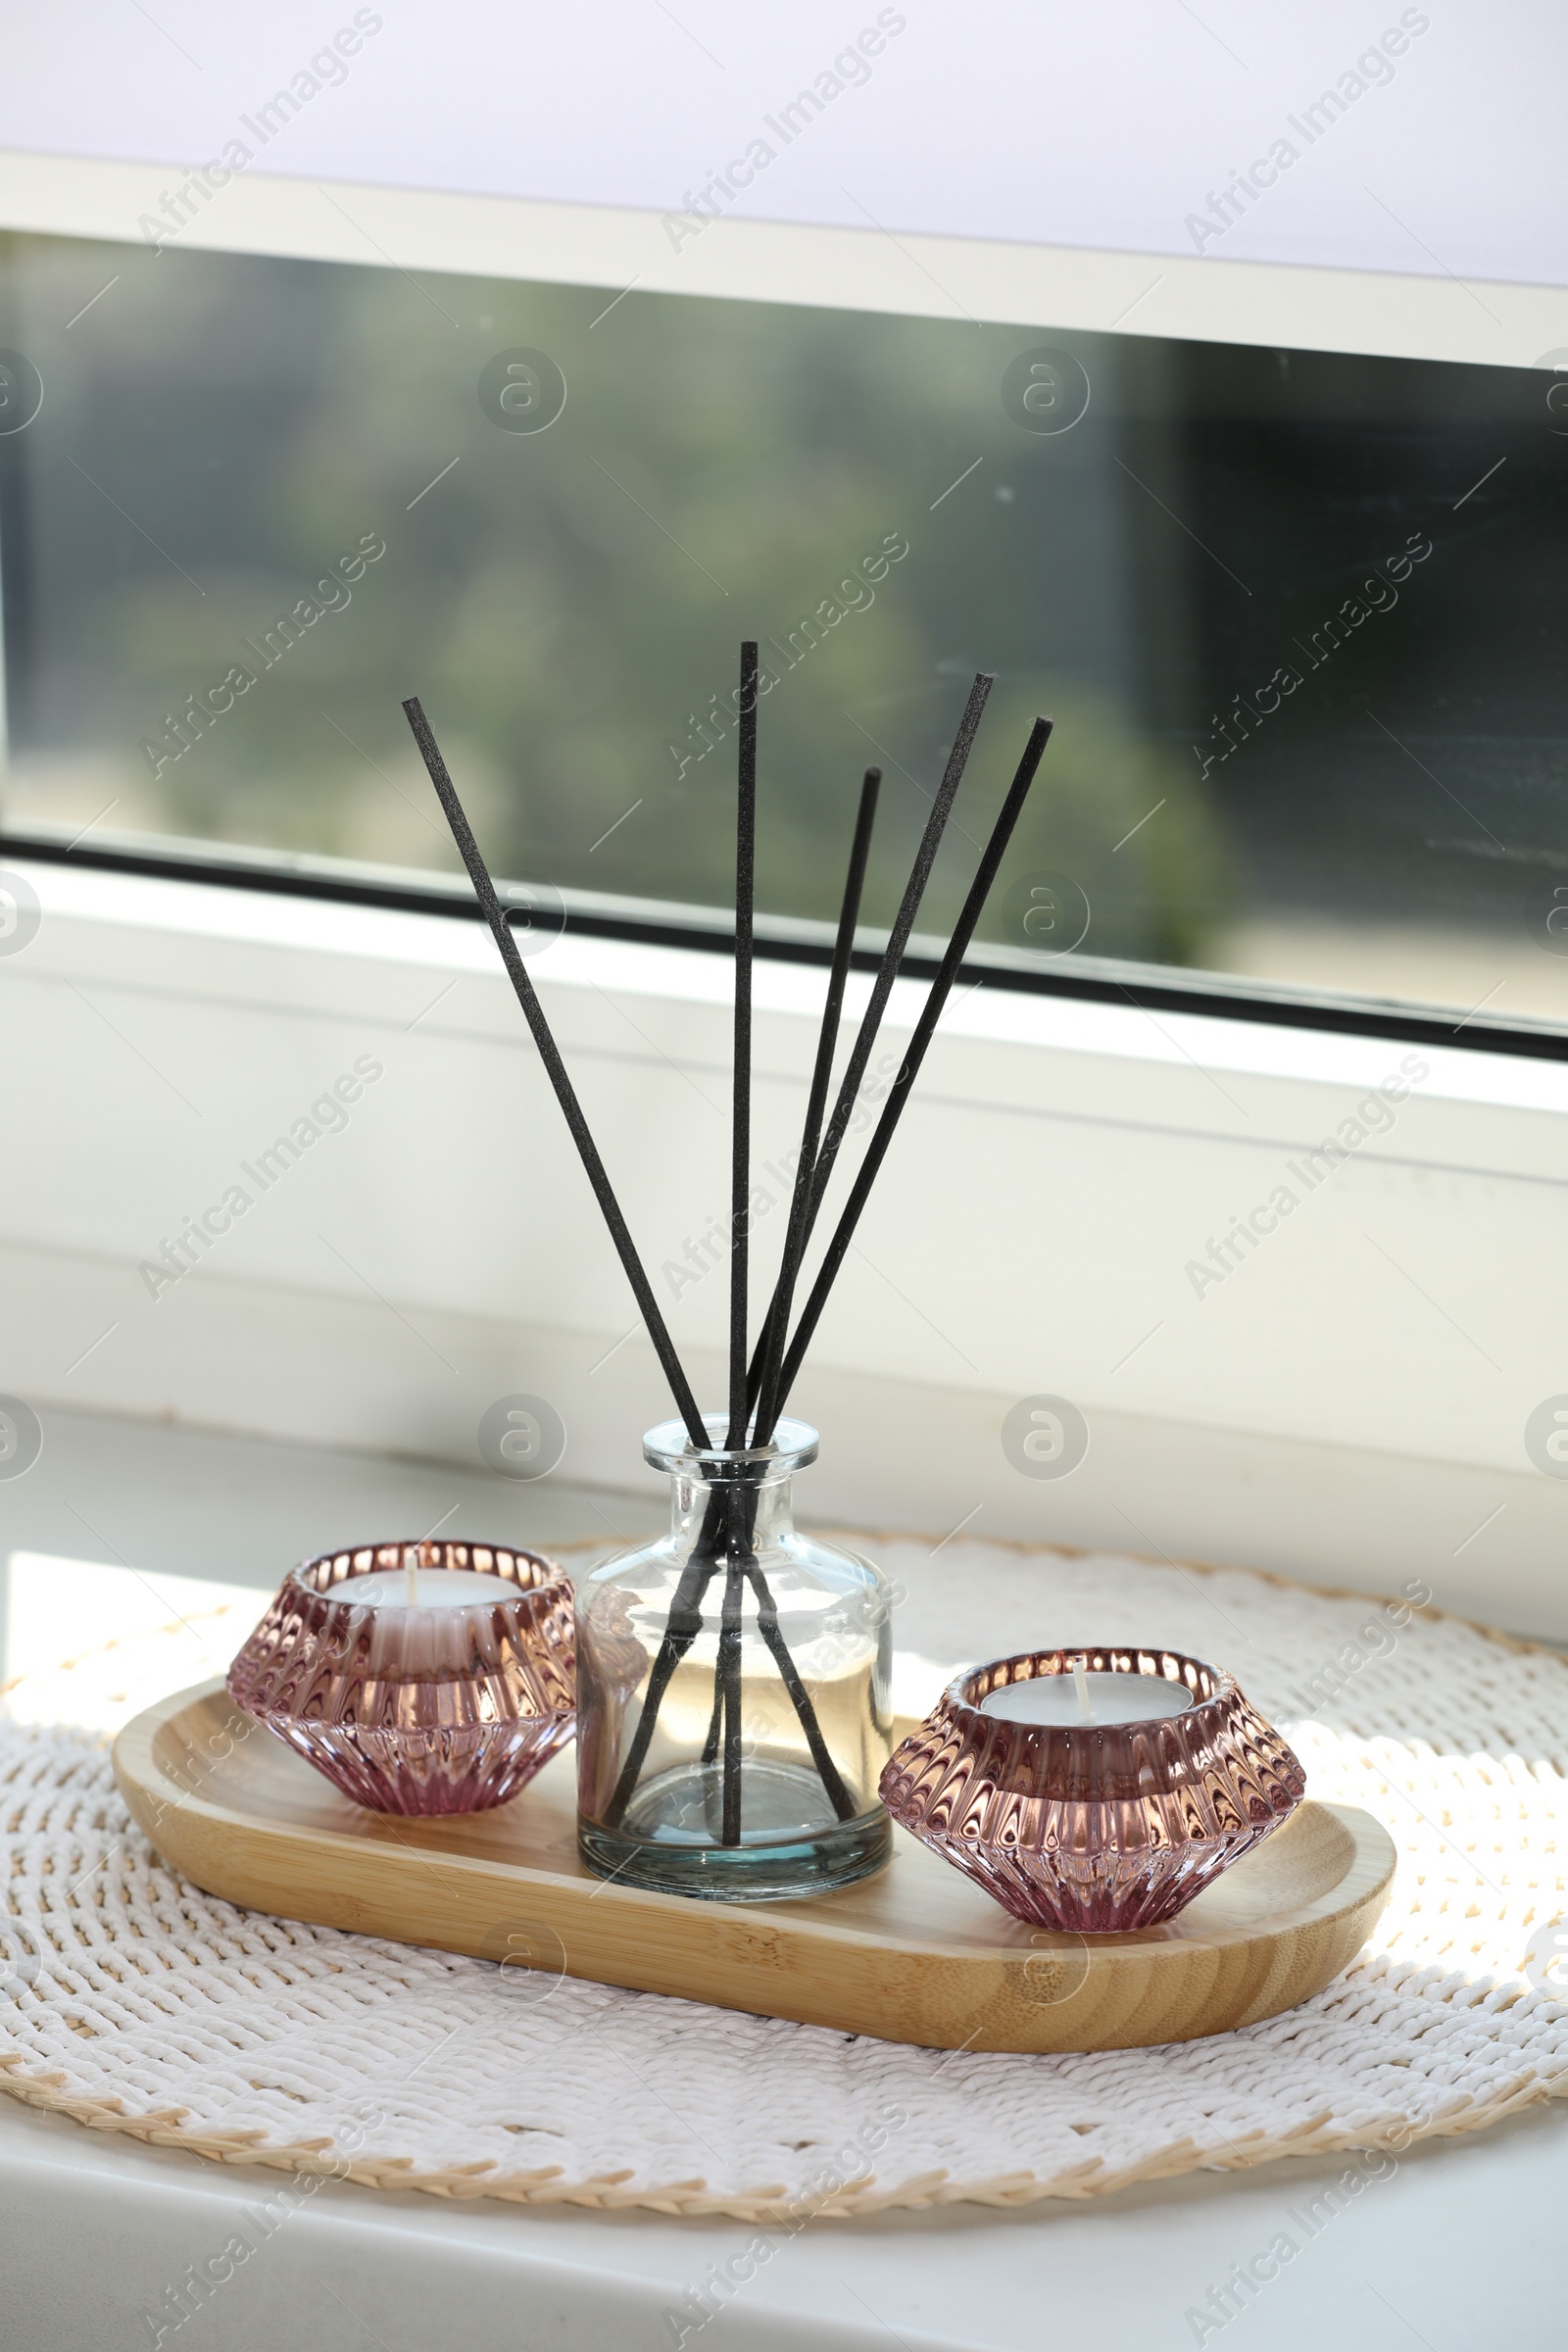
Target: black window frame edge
(792, 942)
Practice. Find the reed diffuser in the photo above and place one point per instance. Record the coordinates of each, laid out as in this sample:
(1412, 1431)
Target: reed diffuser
(732, 1678)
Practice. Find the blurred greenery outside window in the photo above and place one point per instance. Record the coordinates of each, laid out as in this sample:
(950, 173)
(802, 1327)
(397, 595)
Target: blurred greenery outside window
(1298, 616)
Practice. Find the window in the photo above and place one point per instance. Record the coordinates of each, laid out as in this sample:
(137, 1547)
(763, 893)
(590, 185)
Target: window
(1296, 612)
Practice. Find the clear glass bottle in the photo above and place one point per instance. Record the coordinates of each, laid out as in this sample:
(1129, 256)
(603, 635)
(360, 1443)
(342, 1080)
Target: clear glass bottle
(733, 1707)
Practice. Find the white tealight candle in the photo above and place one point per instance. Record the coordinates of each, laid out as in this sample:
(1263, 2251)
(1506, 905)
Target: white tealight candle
(424, 1589)
(1108, 1699)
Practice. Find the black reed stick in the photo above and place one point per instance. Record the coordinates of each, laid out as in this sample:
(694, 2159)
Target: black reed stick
(767, 1626)
(716, 1724)
(778, 1314)
(683, 1625)
(556, 1069)
(893, 954)
(740, 1176)
(903, 924)
(727, 1666)
(915, 1054)
(728, 1679)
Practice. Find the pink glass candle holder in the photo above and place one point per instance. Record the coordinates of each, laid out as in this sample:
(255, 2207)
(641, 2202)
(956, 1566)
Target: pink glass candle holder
(1092, 1825)
(413, 1694)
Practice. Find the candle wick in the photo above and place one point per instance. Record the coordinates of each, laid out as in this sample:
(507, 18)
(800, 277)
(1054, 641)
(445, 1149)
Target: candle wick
(1086, 1713)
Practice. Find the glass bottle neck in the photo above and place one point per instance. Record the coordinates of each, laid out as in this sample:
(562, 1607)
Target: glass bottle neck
(750, 1513)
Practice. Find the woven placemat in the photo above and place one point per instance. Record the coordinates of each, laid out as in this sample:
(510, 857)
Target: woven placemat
(138, 2004)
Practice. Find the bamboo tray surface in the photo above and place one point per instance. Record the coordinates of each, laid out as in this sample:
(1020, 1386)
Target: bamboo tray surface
(915, 1954)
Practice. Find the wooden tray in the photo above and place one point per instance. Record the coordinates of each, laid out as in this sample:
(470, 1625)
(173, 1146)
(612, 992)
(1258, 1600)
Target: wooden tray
(915, 1954)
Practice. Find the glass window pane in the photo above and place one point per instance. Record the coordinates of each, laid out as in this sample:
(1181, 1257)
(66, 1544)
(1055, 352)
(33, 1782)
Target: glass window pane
(1295, 613)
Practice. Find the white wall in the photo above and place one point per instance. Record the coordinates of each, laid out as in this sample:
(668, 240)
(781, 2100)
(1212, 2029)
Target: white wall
(1016, 166)
(1044, 124)
(1349, 1403)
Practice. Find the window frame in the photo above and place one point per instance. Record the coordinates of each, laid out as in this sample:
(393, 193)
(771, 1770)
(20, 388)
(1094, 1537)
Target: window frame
(1262, 304)
(1157, 988)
